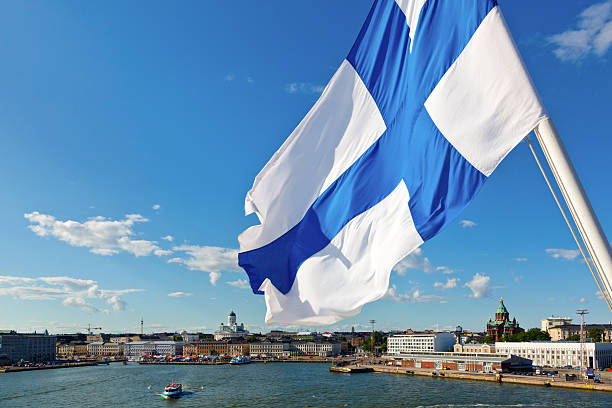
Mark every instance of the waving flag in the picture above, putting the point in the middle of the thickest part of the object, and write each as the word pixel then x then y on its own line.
pixel 432 96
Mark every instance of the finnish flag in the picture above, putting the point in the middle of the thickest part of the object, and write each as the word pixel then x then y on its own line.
pixel 432 96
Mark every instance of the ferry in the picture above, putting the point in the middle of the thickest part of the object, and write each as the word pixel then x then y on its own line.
pixel 240 360
pixel 173 390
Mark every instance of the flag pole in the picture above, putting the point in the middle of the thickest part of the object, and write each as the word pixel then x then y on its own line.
pixel 577 201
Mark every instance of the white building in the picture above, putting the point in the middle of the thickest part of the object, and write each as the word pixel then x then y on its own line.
pixel 148 348
pixel 312 348
pixel 231 330
pixel 403 343
pixel 270 349
pixel 554 321
pixel 101 348
pixel 559 353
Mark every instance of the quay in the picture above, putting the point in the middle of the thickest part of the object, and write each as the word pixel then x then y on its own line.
pixel 16 369
pixel 253 360
pixel 555 382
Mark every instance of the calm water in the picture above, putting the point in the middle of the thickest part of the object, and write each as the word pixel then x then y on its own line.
pixel 265 385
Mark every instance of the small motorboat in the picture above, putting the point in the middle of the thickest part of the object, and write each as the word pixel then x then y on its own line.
pixel 173 390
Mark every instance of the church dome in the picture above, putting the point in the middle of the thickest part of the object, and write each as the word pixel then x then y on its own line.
pixel 232 313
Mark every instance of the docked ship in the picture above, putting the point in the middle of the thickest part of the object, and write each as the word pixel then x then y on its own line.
pixel 173 390
pixel 240 360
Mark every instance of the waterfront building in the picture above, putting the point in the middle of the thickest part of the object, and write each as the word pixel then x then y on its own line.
pixel 486 362
pixel 502 325
pixel 231 330
pixel 190 349
pixel 101 348
pixel 562 332
pixel 554 321
pixel 148 348
pixel 28 347
pixel 270 349
pixel 312 348
pixel 239 349
pixel 417 342
pixel 474 348
pixel 560 353
pixel 207 348
pixel 72 350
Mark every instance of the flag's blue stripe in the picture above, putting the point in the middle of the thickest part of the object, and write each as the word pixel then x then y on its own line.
pixel 440 181
pixel 380 56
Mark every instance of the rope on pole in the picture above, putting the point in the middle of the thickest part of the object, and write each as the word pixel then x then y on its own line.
pixel 603 292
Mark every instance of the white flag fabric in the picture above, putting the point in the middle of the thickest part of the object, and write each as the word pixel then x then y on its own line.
pixel 432 96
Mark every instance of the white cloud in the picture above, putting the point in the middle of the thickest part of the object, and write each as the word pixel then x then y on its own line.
pixel 521 259
pixel 445 270
pixel 229 77
pixel 450 283
pixel 415 260
pixel 567 254
pixel 101 235
pixel 304 87
pixel 467 223
pixel 592 34
pixel 599 295
pixel 582 300
pixel 480 286
pixel 250 80
pixel 415 297
pixel 210 259
pixel 156 207
pixel 168 238
pixel 240 283
pixel 74 292
pixel 180 294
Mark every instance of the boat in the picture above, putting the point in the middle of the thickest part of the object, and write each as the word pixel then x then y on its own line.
pixel 240 360
pixel 173 390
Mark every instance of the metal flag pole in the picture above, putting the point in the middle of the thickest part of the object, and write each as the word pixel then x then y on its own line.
pixel 578 203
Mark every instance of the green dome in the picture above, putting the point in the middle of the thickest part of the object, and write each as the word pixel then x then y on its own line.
pixel 501 308
pixel 232 313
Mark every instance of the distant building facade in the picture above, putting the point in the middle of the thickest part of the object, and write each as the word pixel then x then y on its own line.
pixel 502 325
pixel 101 348
pixel 71 350
pixel 313 348
pixel 474 348
pixel 554 321
pixel 148 348
pixel 27 347
pixel 239 349
pixel 418 342
pixel 270 349
pixel 487 362
pixel 560 353
pixel 562 332
pixel 231 330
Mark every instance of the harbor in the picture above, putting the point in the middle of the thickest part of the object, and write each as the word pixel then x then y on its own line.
pixel 265 385
pixel 557 381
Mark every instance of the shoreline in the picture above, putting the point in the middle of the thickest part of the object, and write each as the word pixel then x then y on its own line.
pixel 460 375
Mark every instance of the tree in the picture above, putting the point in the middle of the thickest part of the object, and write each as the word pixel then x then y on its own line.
pixel 487 340
pixel 596 334
pixel 251 339
pixel 534 334
pixel 378 341
pixel 573 337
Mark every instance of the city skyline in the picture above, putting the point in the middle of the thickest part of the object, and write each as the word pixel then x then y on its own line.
pixel 130 144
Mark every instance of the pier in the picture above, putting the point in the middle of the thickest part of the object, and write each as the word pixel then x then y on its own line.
pixel 542 381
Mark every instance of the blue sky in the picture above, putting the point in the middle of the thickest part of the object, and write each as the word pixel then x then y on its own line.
pixel 130 133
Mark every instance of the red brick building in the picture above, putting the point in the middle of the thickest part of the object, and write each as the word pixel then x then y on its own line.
pixel 502 325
